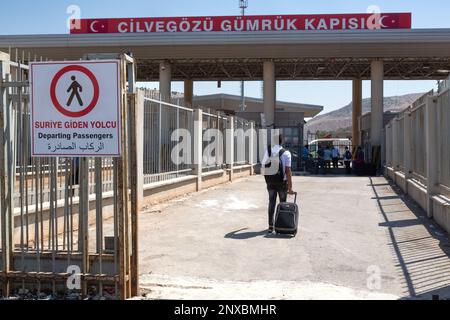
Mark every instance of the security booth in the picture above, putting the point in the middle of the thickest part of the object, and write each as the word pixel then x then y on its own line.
pixel 365 125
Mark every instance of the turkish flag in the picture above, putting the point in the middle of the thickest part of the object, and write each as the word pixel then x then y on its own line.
pixel 98 26
pixel 395 21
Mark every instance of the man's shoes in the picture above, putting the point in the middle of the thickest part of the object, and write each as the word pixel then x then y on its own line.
pixel 270 231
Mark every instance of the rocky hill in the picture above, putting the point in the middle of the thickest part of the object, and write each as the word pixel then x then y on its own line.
pixel 342 118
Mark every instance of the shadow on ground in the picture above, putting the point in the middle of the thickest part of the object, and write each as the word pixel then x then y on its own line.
pixel 420 246
pixel 239 235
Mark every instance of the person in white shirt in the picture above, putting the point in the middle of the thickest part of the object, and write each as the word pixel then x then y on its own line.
pixel 335 155
pixel 279 184
pixel 327 156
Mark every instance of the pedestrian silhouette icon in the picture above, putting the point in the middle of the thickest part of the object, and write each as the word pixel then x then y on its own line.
pixel 76 89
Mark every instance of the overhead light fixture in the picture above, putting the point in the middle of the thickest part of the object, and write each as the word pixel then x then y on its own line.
pixel 443 71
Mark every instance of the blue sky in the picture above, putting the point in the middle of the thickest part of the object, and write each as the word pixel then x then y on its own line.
pixel 49 17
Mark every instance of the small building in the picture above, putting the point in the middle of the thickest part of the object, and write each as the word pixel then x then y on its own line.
pixel 365 122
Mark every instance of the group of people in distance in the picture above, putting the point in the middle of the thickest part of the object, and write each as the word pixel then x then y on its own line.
pixel 330 155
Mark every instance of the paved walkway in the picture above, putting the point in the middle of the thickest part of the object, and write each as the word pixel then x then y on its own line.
pixel 213 245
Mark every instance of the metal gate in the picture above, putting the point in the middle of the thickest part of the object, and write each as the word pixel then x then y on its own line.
pixel 68 225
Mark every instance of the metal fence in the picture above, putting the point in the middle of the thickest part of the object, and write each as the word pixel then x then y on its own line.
pixel 161 119
pixel 214 148
pixel 418 146
pixel 57 213
pixel 26 193
pixel 241 141
pixel 443 85
pixel 409 134
pixel 443 136
pixel 389 145
pixel 54 210
pixel 400 145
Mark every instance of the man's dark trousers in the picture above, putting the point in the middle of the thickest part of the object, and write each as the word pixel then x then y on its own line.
pixel 276 189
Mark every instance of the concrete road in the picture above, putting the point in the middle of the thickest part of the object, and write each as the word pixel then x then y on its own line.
pixel 358 239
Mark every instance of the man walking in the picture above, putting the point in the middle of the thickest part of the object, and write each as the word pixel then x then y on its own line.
pixel 276 167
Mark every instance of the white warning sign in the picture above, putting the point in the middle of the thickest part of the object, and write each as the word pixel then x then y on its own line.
pixel 75 109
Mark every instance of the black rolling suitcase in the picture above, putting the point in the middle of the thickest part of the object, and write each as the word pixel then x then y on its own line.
pixel 286 218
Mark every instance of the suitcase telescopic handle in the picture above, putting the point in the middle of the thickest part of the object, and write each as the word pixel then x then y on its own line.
pixel 295 194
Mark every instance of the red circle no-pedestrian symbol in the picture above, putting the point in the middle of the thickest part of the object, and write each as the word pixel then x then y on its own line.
pixel 74 92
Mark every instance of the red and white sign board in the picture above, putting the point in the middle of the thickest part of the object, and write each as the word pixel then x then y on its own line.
pixel 244 24
pixel 75 109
